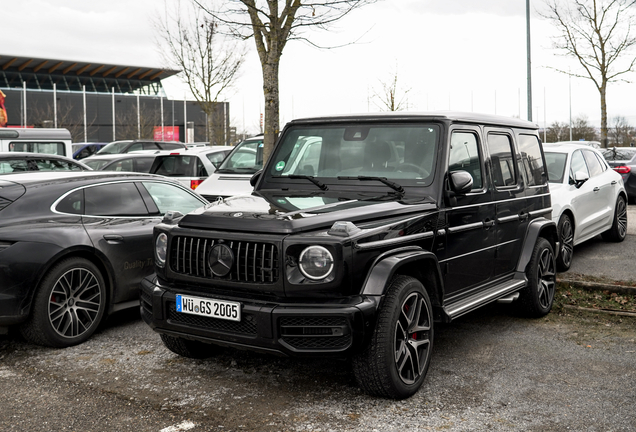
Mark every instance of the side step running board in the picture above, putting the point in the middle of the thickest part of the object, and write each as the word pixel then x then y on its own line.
pixel 509 299
pixel 475 301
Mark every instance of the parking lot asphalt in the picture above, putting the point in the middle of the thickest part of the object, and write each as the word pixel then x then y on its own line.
pixel 491 370
pixel 606 263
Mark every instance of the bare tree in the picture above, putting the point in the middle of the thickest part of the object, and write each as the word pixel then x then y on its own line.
pixel 582 130
pixel 129 127
pixel 557 132
pixel 598 34
pixel 68 117
pixel 391 97
pixel 273 23
pixel 209 63
pixel 621 133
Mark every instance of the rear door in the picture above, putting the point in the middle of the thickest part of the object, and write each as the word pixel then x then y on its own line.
pixel 601 195
pixel 511 209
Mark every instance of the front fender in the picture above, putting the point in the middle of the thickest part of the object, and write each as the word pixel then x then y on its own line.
pixel 414 262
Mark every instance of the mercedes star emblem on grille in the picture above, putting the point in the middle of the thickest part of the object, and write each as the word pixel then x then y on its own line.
pixel 221 260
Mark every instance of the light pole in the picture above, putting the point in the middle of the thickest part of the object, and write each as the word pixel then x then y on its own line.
pixel 529 62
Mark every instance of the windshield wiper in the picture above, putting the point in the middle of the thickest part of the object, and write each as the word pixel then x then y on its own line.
pixel 312 179
pixel 395 186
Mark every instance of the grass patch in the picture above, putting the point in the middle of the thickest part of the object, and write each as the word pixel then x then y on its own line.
pixel 567 294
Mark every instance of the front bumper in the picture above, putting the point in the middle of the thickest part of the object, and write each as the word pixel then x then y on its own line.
pixel 293 329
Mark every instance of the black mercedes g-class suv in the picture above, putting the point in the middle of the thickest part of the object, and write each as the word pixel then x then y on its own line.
pixel 361 233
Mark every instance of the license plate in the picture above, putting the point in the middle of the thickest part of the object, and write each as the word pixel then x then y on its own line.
pixel 209 307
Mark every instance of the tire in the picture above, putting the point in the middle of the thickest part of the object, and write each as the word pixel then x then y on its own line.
pixel 68 306
pixel 618 231
pixel 395 362
pixel 566 238
pixel 536 299
pixel 188 348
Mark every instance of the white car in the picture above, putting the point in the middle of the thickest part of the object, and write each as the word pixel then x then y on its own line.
pixel 588 197
pixel 233 176
pixel 192 166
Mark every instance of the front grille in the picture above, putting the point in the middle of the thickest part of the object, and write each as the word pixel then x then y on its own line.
pixel 247 325
pixel 306 343
pixel 213 198
pixel 315 333
pixel 253 261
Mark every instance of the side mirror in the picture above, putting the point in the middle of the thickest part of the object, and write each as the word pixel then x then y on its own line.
pixel 256 177
pixel 580 177
pixel 461 182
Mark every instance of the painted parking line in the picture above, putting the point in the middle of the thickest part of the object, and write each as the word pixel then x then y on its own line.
pixel 183 426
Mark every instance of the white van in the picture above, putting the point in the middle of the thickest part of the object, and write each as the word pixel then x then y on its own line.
pixel 233 176
pixel 37 140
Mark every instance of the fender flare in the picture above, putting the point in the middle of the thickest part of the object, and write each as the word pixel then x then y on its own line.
pixel 540 227
pixel 386 265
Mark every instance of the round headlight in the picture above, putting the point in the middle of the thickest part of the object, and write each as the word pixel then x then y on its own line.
pixel 161 249
pixel 316 262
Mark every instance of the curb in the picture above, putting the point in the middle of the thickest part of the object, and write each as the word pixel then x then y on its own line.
pixel 621 289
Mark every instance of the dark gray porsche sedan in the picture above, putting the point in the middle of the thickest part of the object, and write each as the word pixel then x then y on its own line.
pixel 75 245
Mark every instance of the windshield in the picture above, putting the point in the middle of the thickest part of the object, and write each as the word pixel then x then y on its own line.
pixel 114 147
pixel 556 166
pixel 96 164
pixel 404 154
pixel 619 154
pixel 246 158
pixel 37 164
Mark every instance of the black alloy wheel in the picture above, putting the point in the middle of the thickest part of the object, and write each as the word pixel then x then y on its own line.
pixel 537 298
pixel 566 237
pixel 411 338
pixel 618 231
pixel 68 306
pixel 396 361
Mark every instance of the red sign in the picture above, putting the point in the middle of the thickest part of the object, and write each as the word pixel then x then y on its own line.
pixel 170 133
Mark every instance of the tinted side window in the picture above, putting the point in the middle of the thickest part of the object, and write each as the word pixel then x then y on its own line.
pixel 38 147
pixel 73 203
pixel 531 160
pixel 464 155
pixel 115 199
pixel 592 163
pixel 170 146
pixel 577 164
pixel 217 157
pixel 137 147
pixel 120 165
pixel 143 164
pixel 201 171
pixel 503 161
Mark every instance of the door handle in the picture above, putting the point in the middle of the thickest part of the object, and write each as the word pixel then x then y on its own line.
pixel 114 238
pixel 596 189
pixel 489 222
pixel 523 216
pixel 613 182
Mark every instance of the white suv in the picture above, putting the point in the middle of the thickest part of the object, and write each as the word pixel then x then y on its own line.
pixel 233 176
pixel 190 167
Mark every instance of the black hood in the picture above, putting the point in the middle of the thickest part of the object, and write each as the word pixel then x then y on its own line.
pixel 289 213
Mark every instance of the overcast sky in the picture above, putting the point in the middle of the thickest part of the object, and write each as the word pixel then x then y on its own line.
pixel 462 55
